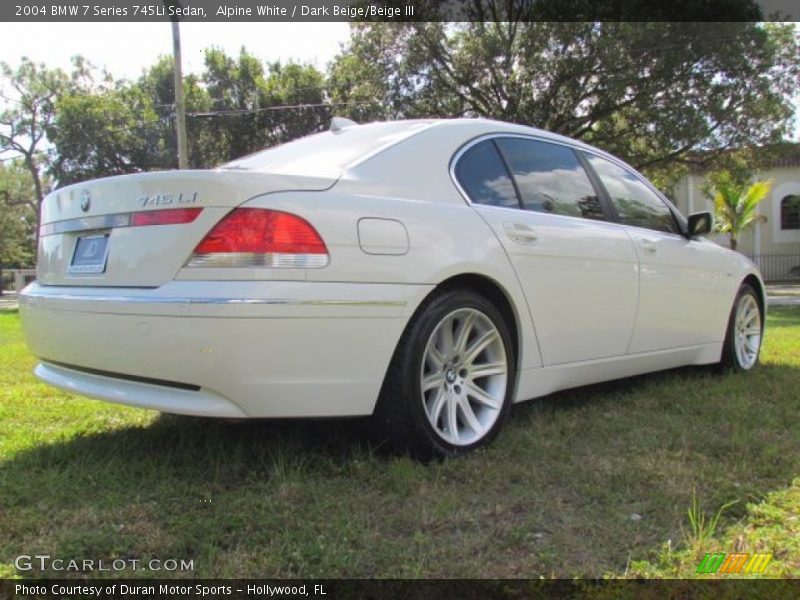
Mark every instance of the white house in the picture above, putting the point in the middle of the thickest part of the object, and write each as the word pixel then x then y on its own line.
pixel 774 244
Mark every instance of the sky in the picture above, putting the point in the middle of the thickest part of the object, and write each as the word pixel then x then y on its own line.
pixel 126 49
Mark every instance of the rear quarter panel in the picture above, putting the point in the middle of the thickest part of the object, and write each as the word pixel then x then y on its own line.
pixel 445 240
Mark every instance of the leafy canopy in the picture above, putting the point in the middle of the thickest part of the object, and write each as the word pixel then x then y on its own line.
pixel 651 93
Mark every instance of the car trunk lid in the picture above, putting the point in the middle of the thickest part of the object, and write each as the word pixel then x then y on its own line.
pixel 102 232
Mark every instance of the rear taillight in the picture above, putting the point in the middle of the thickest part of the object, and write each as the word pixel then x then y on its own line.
pixel 254 237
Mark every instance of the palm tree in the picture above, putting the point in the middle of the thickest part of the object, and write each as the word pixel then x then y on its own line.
pixel 736 208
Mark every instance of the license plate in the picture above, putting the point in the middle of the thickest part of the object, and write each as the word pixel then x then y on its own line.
pixel 90 254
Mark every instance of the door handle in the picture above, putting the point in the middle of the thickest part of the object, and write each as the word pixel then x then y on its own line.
pixel 522 234
pixel 649 245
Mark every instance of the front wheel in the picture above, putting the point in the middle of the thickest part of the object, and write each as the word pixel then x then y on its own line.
pixel 449 386
pixel 745 331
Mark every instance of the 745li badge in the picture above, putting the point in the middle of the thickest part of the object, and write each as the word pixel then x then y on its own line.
pixel 168 199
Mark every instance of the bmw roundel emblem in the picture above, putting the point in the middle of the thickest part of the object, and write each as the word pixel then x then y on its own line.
pixel 86 200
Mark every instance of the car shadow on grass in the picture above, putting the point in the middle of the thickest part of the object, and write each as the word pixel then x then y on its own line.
pixel 578 483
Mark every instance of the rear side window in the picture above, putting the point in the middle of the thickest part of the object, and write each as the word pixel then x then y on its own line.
pixel 482 174
pixel 551 178
pixel 634 201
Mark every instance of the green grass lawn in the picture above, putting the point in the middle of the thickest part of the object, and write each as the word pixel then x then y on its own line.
pixel 593 482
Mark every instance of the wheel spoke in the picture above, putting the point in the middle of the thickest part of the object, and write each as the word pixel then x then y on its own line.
pixel 751 344
pixel 486 369
pixel 446 335
pixel 438 403
pixel 434 380
pixel 479 346
pixel 469 416
pixel 452 418
pixel 752 331
pixel 479 395
pixel 464 329
pixel 435 358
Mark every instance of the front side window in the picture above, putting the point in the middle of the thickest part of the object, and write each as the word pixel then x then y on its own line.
pixel 482 174
pixel 551 178
pixel 790 212
pixel 635 202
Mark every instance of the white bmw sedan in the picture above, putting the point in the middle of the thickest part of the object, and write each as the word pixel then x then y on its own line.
pixel 428 273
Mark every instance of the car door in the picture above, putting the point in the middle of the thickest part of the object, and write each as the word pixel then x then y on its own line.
pixel 578 270
pixel 679 279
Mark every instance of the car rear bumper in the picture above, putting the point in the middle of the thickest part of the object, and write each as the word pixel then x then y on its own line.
pixel 221 349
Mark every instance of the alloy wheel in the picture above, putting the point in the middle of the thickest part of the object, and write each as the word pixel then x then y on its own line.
pixel 747 331
pixel 464 375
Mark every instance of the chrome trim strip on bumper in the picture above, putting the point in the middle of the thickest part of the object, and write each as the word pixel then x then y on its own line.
pixel 87 224
pixel 27 295
pixel 114 221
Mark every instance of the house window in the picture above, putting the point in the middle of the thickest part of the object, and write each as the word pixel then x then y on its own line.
pixel 790 212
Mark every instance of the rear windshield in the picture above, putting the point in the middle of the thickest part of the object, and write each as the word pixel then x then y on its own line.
pixel 327 153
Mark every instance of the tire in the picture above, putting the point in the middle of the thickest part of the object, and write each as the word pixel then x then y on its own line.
pixel 446 394
pixel 745 332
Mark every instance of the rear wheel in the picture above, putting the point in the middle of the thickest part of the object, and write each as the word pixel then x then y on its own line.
pixel 745 330
pixel 449 386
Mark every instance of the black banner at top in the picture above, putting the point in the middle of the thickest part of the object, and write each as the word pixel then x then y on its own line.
pixel 396 10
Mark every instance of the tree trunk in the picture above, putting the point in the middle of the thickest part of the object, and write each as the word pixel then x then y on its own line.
pixel 37 186
pixel 734 243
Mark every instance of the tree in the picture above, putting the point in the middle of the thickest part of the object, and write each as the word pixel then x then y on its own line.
pixel 362 83
pixel 651 93
pixel 237 106
pixel 123 127
pixel 736 207
pixel 158 84
pixel 300 87
pixel 109 132
pixel 17 218
pixel 29 94
pixel 253 107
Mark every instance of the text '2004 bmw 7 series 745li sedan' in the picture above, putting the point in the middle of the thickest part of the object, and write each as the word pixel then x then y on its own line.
pixel 429 273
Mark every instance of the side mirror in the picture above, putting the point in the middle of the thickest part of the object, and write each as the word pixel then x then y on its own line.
pixel 700 223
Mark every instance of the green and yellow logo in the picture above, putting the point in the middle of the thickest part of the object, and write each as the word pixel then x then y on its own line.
pixel 735 562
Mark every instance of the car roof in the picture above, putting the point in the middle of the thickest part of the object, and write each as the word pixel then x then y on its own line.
pixel 354 145
pixel 468 129
pixel 492 125
pixel 470 126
